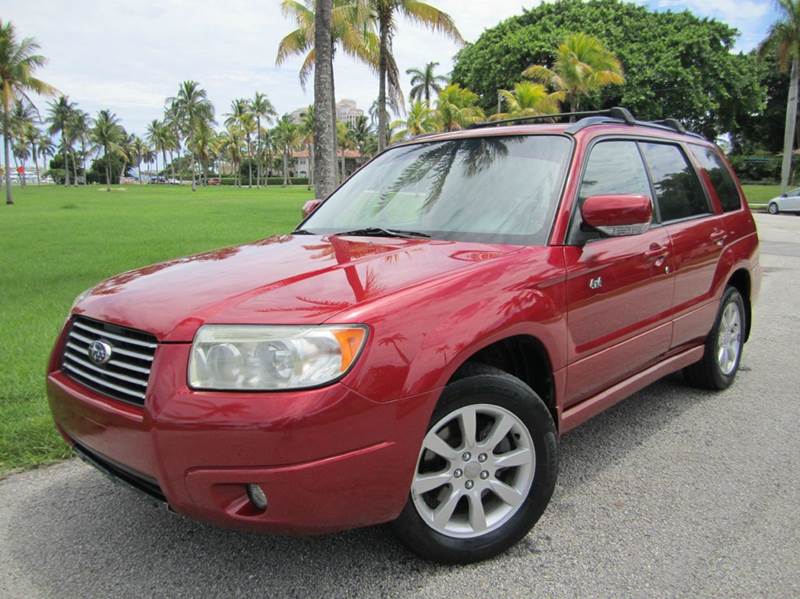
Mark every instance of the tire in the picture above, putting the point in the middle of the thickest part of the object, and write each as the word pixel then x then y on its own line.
pixel 494 397
pixel 712 372
pixel 773 208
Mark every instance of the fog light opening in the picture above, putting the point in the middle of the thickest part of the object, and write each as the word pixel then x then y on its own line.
pixel 256 496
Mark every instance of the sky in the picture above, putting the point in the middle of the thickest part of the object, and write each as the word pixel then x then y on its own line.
pixel 130 56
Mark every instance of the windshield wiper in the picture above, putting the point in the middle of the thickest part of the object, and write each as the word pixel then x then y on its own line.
pixel 382 232
pixel 302 232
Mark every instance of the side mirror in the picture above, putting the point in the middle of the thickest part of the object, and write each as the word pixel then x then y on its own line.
pixel 310 206
pixel 618 216
pixel 784 195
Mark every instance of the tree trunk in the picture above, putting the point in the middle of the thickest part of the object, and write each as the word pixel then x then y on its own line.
pixel 285 165
pixel 382 66
pixel 194 178
pixel 108 168
pixel 324 129
pixel 66 154
pixel 258 151
pixel 75 169
pixel 310 170
pixel 788 133
pixel 36 164
pixel 7 145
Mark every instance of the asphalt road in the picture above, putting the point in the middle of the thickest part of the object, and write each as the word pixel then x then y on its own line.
pixel 674 492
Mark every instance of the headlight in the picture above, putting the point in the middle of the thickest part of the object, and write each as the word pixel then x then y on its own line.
pixel 262 358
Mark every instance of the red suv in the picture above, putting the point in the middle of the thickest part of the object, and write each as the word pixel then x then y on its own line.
pixel 413 352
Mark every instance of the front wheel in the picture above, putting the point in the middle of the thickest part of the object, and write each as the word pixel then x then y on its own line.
pixel 485 473
pixel 773 208
pixel 723 350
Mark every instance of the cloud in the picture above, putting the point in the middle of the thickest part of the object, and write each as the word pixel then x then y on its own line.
pixel 129 56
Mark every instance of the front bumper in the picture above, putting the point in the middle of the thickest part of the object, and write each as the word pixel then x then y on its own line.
pixel 328 459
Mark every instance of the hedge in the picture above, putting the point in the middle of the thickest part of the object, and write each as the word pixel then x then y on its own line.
pixel 270 181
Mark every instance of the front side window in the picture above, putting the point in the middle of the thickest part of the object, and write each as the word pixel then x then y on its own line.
pixel 491 189
pixel 613 168
pixel 677 188
pixel 720 177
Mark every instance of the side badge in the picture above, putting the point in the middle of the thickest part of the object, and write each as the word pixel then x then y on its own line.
pixel 596 283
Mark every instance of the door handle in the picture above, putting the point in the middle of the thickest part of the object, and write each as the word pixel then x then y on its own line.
pixel 718 236
pixel 656 250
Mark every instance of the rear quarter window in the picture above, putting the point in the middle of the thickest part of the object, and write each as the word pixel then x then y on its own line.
pixel 677 188
pixel 719 176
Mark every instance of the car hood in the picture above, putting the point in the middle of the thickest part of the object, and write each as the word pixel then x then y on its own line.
pixel 290 279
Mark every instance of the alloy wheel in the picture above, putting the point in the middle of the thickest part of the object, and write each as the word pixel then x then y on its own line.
pixel 729 338
pixel 474 471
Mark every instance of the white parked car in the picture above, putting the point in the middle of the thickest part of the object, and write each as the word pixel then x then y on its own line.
pixel 787 202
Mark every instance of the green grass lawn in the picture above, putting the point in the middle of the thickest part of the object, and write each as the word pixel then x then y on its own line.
pixel 56 242
pixel 757 195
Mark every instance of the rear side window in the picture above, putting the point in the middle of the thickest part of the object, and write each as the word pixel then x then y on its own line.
pixel 678 190
pixel 720 177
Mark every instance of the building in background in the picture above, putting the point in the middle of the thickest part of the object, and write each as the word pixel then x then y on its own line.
pixel 302 164
pixel 347 111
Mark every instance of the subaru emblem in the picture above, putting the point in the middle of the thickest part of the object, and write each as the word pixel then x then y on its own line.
pixel 99 352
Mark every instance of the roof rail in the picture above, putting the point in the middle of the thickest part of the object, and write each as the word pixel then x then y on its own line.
pixel 617 112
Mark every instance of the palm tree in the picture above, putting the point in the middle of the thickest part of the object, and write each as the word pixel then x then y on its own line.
pixel 359 131
pixel 242 116
pixel 22 117
pixel 45 148
pixel 232 142
pixel 139 150
pixel 193 109
pixel 529 99
pixel 582 66
pixel 307 133
pixel 350 30
pixel 457 108
pixel 108 134
pixel 345 142
pixel 385 14
pixel 202 143
pixel 262 109
pixel 174 121
pixel 30 136
pixel 425 82
pixel 18 63
pixel 80 127
pixel 785 37
pixel 420 120
pixel 287 136
pixel 59 116
pixel 324 100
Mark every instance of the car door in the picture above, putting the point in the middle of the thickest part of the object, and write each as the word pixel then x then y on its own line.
pixel 792 201
pixel 698 233
pixel 619 289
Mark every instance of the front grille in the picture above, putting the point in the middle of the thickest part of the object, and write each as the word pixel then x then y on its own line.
pixel 124 376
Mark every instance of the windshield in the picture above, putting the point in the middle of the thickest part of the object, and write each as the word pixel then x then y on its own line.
pixel 489 189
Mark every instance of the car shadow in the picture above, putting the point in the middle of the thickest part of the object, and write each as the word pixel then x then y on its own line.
pixel 105 539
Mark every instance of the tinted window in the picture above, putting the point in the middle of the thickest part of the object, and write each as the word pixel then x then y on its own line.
pixel 720 177
pixel 614 168
pixel 677 187
pixel 495 189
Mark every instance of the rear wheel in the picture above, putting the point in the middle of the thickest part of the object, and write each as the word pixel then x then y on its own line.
pixel 723 351
pixel 773 208
pixel 485 473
